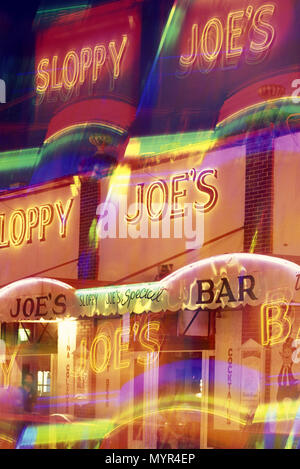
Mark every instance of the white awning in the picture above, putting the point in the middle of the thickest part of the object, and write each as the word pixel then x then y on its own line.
pixel 225 281
pixel 229 280
pixel 36 299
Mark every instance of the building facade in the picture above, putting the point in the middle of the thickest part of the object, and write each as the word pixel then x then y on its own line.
pixel 150 239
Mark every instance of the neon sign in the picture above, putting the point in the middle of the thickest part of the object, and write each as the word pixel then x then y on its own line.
pixel 114 347
pixel 38 305
pixel 225 291
pixel 276 325
pixel 246 31
pixel 122 299
pixel 76 67
pixel 17 229
pixel 172 193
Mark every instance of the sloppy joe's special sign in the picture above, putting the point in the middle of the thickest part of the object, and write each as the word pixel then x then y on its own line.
pixel 225 281
pixel 123 299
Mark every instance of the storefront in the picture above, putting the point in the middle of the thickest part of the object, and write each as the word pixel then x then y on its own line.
pixel 192 360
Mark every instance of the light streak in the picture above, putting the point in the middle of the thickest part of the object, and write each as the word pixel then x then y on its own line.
pixel 160 46
pixel 82 125
pixel 27 282
pixel 240 112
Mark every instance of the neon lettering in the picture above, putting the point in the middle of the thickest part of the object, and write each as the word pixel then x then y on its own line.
pixel 276 325
pixel 266 30
pixel 212 45
pixel 116 57
pixel 217 25
pixel 43 76
pixel 20 226
pixel 99 59
pixel 63 216
pixel 78 67
pixel 233 33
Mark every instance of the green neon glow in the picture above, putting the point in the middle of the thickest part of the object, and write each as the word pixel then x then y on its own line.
pixel 165 32
pixel 74 7
pixel 154 145
pixel 93 237
pixel 157 144
pixel 19 159
pixel 71 433
pixel 251 117
pixel 120 288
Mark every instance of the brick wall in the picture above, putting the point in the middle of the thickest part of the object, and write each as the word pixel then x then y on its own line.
pixel 88 245
pixel 259 194
pixel 258 224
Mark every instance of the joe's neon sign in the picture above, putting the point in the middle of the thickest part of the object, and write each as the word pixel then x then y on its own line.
pixel 245 31
pixel 171 194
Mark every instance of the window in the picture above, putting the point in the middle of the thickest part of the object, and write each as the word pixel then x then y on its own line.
pixel 43 385
pixel 24 335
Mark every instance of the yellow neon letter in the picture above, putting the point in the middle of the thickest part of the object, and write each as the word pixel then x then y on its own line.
pixel 43 75
pixel 187 61
pixel 93 353
pixel 3 243
pixel 267 30
pixel 54 84
pixel 99 59
pixel 116 58
pixel 32 222
pixel 7 369
pixel 63 216
pixel 119 347
pixel 216 23
pixel 46 217
pixel 232 34
pixel 278 320
pixel 85 62
pixel 17 239
pixel 71 55
pixel 149 343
